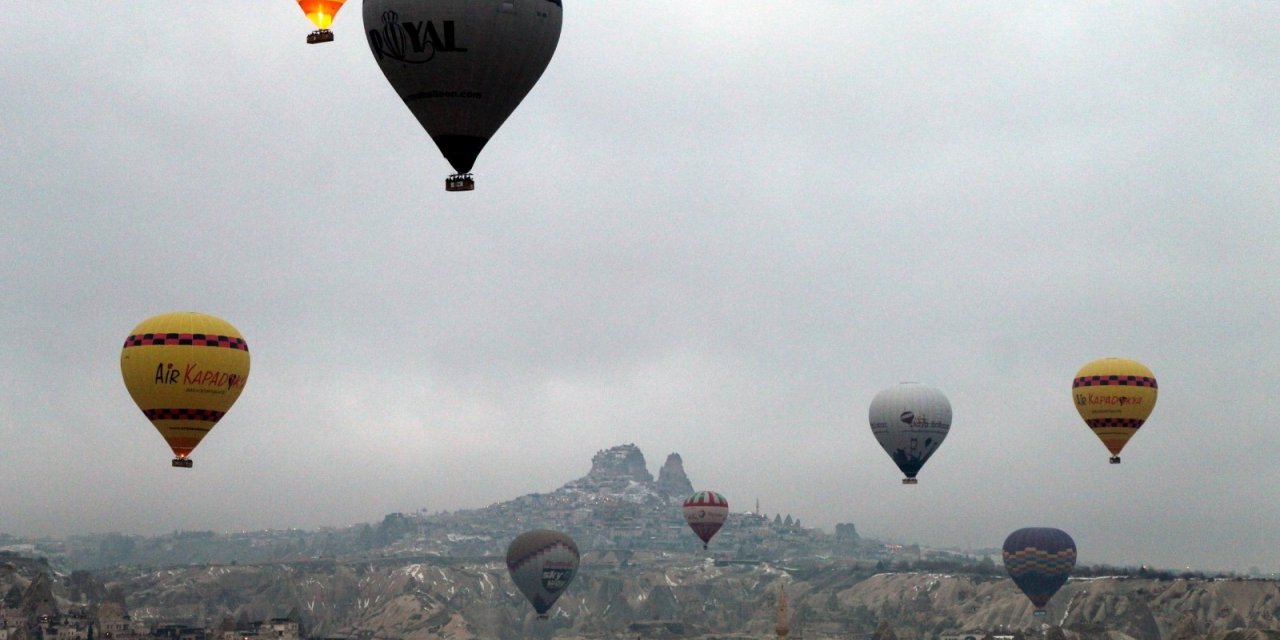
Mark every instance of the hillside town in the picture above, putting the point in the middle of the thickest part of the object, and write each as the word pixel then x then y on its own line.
pixel 619 505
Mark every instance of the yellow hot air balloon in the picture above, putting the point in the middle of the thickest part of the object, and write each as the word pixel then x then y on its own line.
pixel 184 370
pixel 321 13
pixel 1114 396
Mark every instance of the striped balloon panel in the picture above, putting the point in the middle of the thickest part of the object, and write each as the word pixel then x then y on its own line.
pixel 1032 560
pixel 706 530
pixel 706 499
pixel 1114 380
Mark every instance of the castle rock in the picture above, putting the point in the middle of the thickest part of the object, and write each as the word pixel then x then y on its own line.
pixel 672 479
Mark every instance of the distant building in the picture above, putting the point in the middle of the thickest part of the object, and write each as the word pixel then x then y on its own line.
pixel 112 623
pixel 282 628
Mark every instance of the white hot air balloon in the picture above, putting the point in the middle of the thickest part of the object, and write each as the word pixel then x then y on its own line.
pixel 462 66
pixel 910 420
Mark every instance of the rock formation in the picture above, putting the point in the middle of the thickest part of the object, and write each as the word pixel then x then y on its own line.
pixel 623 462
pixel 1186 629
pixel 884 632
pixel 672 479
pixel 38 599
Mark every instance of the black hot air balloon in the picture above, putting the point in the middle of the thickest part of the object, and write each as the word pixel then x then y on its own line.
pixel 462 66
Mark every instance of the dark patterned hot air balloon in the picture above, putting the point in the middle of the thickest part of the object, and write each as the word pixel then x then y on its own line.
pixel 542 563
pixel 706 511
pixel 1039 559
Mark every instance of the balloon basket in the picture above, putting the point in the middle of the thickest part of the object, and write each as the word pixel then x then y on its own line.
pixel 1040 613
pixel 910 481
pixel 460 182
pixel 1115 459
pixel 182 463
pixel 321 35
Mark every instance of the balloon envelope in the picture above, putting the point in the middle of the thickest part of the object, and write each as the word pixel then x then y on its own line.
pixel 462 66
pixel 184 370
pixel 321 12
pixel 706 512
pixel 542 563
pixel 1039 559
pixel 910 421
pixel 1114 396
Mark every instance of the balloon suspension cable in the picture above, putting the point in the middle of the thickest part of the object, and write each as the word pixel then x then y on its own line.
pixel 320 35
pixel 910 481
pixel 460 182
pixel 1115 459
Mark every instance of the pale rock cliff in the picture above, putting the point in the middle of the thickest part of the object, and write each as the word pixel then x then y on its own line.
pixel 672 479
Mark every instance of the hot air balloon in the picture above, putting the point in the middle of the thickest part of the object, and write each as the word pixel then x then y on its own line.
pixel 1115 397
pixel 706 511
pixel 1039 559
pixel 910 420
pixel 462 66
pixel 321 13
pixel 542 563
pixel 184 370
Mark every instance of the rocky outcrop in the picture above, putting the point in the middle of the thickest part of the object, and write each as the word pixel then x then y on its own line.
pixel 672 479
pixel 38 599
pixel 884 632
pixel 1246 634
pixel 623 462
pixel 622 469
pixel 1186 629
pixel 1125 611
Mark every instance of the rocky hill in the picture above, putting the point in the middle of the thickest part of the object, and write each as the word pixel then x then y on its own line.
pixel 617 504
pixel 643 594
pixel 672 479
pixel 643 574
pixel 1092 607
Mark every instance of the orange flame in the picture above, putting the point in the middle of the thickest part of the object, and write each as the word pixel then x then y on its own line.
pixel 321 12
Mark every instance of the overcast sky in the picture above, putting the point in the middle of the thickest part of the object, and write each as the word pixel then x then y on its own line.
pixel 715 228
